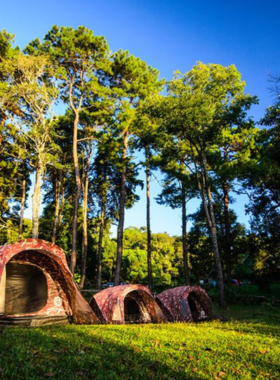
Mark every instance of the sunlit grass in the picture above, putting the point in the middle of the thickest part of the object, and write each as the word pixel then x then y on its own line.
pixel 247 347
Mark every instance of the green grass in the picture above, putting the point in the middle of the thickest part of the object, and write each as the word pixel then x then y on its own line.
pixel 245 347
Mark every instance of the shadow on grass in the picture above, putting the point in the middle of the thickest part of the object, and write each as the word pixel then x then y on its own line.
pixel 173 352
pixel 71 352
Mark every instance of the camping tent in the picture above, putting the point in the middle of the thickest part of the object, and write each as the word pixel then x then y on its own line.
pixel 37 287
pixel 126 304
pixel 185 304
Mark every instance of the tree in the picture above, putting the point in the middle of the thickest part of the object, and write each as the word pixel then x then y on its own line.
pixel 263 184
pixel 9 158
pixel 103 187
pixel 80 58
pixel 35 94
pixel 132 82
pixel 58 178
pixel 233 161
pixel 146 131
pixel 177 191
pixel 196 110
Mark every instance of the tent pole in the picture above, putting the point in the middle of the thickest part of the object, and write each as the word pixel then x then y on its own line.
pixel 3 291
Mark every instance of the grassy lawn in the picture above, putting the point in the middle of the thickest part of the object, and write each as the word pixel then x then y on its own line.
pixel 245 347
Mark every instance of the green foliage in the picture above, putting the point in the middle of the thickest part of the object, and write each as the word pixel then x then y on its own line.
pixel 198 134
pixel 166 258
pixel 10 234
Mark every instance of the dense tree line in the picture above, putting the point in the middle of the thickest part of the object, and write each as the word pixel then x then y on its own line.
pixel 74 116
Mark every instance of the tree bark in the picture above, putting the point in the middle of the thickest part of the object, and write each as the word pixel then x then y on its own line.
pixel 22 205
pixel 36 202
pixel 227 230
pixel 148 216
pixel 184 236
pixel 61 208
pixel 85 229
pixel 121 213
pixel 213 231
pixel 100 241
pixel 77 195
pixel 57 206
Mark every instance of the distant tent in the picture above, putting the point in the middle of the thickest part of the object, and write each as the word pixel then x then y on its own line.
pixel 37 287
pixel 126 304
pixel 185 304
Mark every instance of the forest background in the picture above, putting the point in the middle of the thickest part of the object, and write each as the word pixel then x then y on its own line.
pixel 196 130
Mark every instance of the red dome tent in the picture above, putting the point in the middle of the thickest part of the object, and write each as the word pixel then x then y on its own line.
pixel 185 304
pixel 37 287
pixel 126 304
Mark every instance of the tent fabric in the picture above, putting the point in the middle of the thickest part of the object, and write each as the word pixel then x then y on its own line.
pixel 3 292
pixel 185 304
pixel 37 284
pixel 127 304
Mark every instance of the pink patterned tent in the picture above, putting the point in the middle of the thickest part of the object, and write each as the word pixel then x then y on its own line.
pixel 126 304
pixel 37 287
pixel 185 304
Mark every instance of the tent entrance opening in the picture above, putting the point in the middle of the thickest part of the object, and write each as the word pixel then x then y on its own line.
pixel 131 310
pixel 135 309
pixel 193 300
pixel 26 289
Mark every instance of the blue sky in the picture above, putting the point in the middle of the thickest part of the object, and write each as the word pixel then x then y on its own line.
pixel 168 35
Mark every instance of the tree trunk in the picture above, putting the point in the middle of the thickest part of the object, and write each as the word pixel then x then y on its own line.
pixel 85 229
pixel 121 213
pixel 61 208
pixel 213 231
pixel 149 240
pixel 22 205
pixel 77 195
pixel 56 211
pixel 184 236
pixel 100 240
pixel 36 202
pixel 227 231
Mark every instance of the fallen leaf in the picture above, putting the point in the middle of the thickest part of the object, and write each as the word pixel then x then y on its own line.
pixel 190 357
pixel 195 369
pixel 63 349
pixel 49 374
pixel 221 374
pixel 264 352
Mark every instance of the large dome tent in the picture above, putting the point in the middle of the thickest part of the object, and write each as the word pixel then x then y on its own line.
pixel 185 304
pixel 37 287
pixel 125 304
